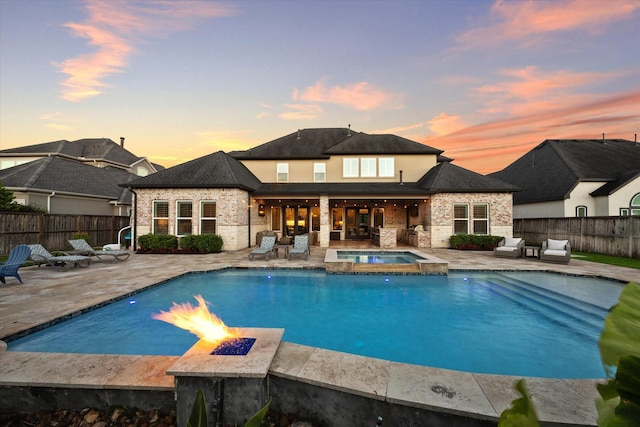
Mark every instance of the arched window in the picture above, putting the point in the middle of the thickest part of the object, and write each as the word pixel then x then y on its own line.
pixel 635 205
pixel 581 211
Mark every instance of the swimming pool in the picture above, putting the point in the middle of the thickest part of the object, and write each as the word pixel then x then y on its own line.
pixel 498 323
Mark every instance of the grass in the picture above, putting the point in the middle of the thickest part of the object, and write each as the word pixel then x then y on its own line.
pixel 607 259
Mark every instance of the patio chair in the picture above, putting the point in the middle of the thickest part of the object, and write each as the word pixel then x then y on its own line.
pixel 81 247
pixel 509 247
pixel 558 251
pixel 40 255
pixel 267 248
pixel 17 257
pixel 300 246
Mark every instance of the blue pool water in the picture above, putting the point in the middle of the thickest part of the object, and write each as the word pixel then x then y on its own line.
pixel 374 257
pixel 499 323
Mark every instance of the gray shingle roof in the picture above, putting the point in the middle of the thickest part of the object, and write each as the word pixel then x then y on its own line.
pixel 69 176
pixel 217 170
pixel 449 178
pixel 551 170
pixel 323 142
pixel 89 148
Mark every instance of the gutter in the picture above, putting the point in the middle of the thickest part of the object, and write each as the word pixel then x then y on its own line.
pixel 53 193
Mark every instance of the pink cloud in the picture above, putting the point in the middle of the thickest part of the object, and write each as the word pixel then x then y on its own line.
pixel 359 96
pixel 301 112
pixel 491 146
pixel 114 29
pixel 524 20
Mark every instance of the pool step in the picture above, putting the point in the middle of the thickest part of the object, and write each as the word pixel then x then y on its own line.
pixel 385 268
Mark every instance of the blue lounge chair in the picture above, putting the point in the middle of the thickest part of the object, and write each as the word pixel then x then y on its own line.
pixel 300 246
pixel 81 247
pixel 17 257
pixel 267 248
pixel 40 255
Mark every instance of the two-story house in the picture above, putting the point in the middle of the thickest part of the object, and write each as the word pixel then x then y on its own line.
pixel 335 183
pixel 576 178
pixel 73 177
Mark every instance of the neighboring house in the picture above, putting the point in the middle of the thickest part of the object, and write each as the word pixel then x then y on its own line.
pixel 336 184
pixel 576 178
pixel 73 177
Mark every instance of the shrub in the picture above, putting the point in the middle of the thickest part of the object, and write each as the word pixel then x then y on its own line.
pixel 203 243
pixel 83 236
pixel 474 242
pixel 158 242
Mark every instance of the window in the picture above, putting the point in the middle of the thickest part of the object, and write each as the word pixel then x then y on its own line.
pixel 160 217
pixel 183 220
pixel 315 218
pixel 207 217
pixel 368 167
pixel 624 212
pixel 319 172
pixel 386 167
pixel 635 205
pixel 481 219
pixel 581 211
pixel 282 172
pixel 460 219
pixel 378 217
pixel 337 219
pixel 350 168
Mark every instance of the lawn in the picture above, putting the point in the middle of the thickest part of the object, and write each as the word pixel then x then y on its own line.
pixel 607 259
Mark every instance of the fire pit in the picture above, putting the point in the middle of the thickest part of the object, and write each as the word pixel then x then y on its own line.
pixel 234 347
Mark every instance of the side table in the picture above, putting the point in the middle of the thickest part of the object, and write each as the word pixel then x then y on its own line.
pixel 532 252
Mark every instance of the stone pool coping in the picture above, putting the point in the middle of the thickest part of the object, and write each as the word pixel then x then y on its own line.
pixel 424 263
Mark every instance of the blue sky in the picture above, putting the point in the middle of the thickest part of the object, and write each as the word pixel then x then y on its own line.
pixel 483 80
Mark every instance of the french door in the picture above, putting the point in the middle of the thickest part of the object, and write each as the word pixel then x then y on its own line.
pixel 358 223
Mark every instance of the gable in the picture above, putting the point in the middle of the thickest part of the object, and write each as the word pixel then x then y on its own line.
pixel 449 178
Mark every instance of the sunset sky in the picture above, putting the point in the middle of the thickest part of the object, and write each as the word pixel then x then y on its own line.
pixel 485 81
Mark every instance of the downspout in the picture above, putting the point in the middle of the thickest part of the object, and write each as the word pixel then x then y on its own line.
pixel 134 228
pixel 49 201
pixel 248 220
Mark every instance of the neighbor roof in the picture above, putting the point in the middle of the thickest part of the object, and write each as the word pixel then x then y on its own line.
pixel 67 176
pixel 551 170
pixel 449 178
pixel 324 142
pixel 217 170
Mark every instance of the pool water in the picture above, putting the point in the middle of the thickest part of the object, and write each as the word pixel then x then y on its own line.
pixel 498 323
pixel 371 257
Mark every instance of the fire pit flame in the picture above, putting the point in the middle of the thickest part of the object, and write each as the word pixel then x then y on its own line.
pixel 199 321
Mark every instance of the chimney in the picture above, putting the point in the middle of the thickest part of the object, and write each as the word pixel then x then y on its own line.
pixel 349 133
pixel 401 183
pixel 122 141
pixel 298 134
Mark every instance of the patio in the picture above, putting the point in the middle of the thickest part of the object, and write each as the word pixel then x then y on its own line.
pixel 47 295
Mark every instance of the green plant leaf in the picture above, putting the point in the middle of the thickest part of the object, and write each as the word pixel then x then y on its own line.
pixel 621 333
pixel 522 412
pixel 256 420
pixel 198 417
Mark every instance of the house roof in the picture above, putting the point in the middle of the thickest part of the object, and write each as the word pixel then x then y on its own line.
pixel 324 142
pixel 217 170
pixel 449 178
pixel 67 176
pixel 88 148
pixel 551 170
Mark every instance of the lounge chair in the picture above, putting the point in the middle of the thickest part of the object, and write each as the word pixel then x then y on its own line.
pixel 300 246
pixel 556 251
pixel 40 255
pixel 266 248
pixel 17 257
pixel 509 247
pixel 81 247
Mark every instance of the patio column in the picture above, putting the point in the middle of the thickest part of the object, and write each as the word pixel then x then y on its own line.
pixel 325 221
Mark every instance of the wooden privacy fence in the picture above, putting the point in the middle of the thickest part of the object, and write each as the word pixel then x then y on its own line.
pixel 53 231
pixel 617 236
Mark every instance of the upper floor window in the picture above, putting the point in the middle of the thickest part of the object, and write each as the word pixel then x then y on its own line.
pixel 581 211
pixel 350 167
pixel 319 172
pixel 368 167
pixel 184 217
pixel 460 218
pixel 207 217
pixel 160 217
pixel 282 170
pixel 386 167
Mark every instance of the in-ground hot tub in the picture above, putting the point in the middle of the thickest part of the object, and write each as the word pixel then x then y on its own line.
pixel 383 261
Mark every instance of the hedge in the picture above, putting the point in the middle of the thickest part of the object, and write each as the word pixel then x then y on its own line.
pixel 474 242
